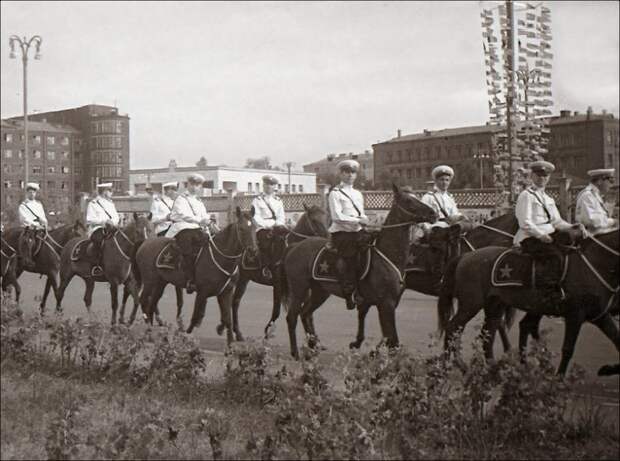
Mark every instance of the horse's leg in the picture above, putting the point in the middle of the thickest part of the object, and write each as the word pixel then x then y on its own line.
pixel 387 320
pixel 46 291
pixel 242 284
pixel 145 302
pixel 291 321
pixel 362 311
pixel 493 314
pixel 131 287
pixel 317 298
pixel 607 325
pixel 88 293
pixel 179 293
pixel 503 335
pixel 572 327
pixel 66 274
pixel 126 294
pixel 200 304
pixel 114 296
pixel 225 300
pixel 464 314
pixel 153 310
pixel 528 326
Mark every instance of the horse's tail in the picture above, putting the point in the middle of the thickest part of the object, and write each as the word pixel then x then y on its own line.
pixel 445 306
pixel 509 317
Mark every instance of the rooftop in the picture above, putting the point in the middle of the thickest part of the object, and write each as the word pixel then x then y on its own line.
pixel 38 126
pixel 445 133
pixel 211 168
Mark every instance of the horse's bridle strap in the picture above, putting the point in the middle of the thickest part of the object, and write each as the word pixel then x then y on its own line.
pixel 499 231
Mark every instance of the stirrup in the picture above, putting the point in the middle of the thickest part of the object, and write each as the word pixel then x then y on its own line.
pixel 267 273
pixel 96 271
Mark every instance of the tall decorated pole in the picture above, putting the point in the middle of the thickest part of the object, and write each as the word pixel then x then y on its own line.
pixel 518 77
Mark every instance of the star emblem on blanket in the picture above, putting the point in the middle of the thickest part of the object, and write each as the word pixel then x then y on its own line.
pixel 167 257
pixel 324 267
pixel 505 271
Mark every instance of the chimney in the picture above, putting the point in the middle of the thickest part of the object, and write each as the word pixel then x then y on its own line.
pixel 604 111
pixel 576 113
pixel 398 133
pixel 427 132
pixel 564 113
pixel 589 112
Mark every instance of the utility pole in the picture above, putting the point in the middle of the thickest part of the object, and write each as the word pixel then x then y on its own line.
pixel 24 45
pixel 510 93
pixel 288 165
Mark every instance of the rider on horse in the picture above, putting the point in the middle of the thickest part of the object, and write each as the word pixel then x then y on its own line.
pixel 539 218
pixel 346 208
pixel 269 217
pixel 31 216
pixel 189 216
pixel 440 200
pixel 590 210
pixel 161 207
pixel 101 215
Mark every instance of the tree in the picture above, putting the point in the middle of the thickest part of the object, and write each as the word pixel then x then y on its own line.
pixel 202 163
pixel 261 163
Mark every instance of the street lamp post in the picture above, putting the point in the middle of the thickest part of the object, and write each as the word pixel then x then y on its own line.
pixel 481 156
pixel 24 45
pixel 288 166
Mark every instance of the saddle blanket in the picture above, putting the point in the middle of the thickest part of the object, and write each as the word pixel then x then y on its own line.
pixel 169 257
pixel 79 250
pixel 512 268
pixel 250 261
pixel 324 266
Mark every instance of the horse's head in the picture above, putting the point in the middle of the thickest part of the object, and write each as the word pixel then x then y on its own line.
pixel 411 208
pixel 315 217
pixel 246 229
pixel 26 243
pixel 141 229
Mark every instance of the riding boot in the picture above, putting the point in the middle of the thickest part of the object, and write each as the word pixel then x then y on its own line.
pixel 188 270
pixel 347 283
pixel 97 269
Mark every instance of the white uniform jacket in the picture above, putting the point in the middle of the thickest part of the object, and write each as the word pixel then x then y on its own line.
pixel 345 217
pixel 161 207
pixel 263 216
pixel 187 213
pixel 444 205
pixel 534 221
pixel 591 211
pixel 32 214
pixel 98 211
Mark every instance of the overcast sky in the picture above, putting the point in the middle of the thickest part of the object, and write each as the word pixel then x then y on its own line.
pixel 294 81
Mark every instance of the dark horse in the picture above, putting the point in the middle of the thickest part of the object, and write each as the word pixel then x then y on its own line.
pixel 8 264
pixel 590 284
pixel 216 271
pixel 119 248
pixel 384 284
pixel 442 245
pixel 45 248
pixel 310 224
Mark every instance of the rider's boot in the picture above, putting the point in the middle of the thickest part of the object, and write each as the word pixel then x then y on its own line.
pixel 188 270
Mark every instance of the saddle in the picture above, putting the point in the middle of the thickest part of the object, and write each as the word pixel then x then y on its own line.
pixel 170 257
pixel 515 268
pixel 324 265
pixel 82 250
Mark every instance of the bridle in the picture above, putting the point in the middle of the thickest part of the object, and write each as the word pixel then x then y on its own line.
pixel 417 218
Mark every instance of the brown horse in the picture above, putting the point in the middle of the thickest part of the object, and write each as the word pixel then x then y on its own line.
pixel 310 224
pixel 590 284
pixel 433 259
pixel 384 284
pixel 119 248
pixel 44 247
pixel 216 271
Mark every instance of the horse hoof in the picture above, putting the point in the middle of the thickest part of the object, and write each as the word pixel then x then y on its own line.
pixel 219 329
pixel 355 345
pixel 189 330
pixel 239 337
pixel 270 330
pixel 609 370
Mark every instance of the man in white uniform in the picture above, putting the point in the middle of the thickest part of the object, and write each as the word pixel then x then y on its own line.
pixel 346 208
pixel 31 218
pixel 161 207
pixel 269 217
pixel 101 215
pixel 440 200
pixel 189 217
pixel 590 210
pixel 538 218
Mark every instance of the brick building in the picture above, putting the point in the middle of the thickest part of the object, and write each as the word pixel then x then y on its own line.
pixel 326 167
pixel 104 153
pixel 580 142
pixel 54 149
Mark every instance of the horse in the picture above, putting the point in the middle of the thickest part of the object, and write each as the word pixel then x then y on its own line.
pixel 45 248
pixel 216 271
pixel 589 277
pixel 443 244
pixel 8 264
pixel 310 224
pixel 384 284
pixel 118 249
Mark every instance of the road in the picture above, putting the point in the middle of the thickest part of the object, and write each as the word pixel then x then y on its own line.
pixel 336 326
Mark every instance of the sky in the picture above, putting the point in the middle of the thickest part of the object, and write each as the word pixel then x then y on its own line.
pixel 293 81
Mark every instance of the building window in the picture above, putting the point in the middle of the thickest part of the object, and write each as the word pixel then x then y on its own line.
pixel 64 140
pixel 20 154
pixel 257 187
pixel 64 169
pixel 301 188
pixel 409 173
pixel 389 157
pixel 51 169
pixel 36 154
pixel 77 170
pixel 51 185
pixel 610 160
pixel 609 137
pixel 51 140
pixel 8 153
pixel 293 188
pixel 7 184
pixel 8 137
pixel 36 170
pixel 65 155
pixel 51 155
pixel 249 187
pixel 36 139
pixel 7 168
pixel 63 185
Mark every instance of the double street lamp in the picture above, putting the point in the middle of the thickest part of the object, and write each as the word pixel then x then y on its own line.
pixel 481 156
pixel 24 45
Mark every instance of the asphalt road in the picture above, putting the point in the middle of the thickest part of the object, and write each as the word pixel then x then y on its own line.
pixel 336 327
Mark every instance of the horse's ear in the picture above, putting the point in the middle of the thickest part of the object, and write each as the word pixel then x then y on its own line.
pixel 238 212
pixel 306 207
pixel 395 189
pixel 135 216
pixel 253 211
pixel 149 216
